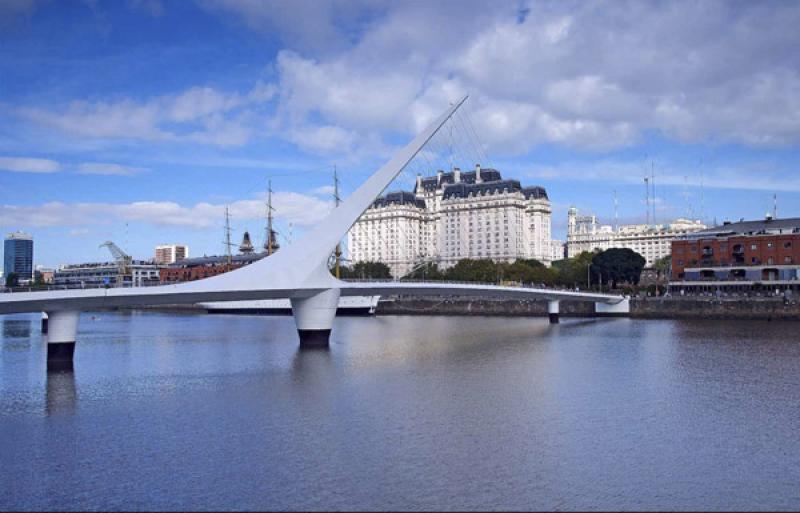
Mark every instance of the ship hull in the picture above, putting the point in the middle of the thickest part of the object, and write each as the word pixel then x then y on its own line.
pixel 348 306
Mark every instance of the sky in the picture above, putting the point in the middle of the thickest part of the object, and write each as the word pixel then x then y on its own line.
pixel 139 121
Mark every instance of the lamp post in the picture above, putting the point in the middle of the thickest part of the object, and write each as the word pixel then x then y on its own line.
pixel 588 276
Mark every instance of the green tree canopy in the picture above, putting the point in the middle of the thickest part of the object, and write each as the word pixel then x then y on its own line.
pixel 663 264
pixel 619 265
pixel 427 271
pixel 483 270
pixel 12 280
pixel 366 271
pixel 529 271
pixel 572 272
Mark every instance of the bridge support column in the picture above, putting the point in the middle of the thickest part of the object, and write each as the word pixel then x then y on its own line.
pixel 314 317
pixel 62 332
pixel 620 309
pixel 44 323
pixel 552 311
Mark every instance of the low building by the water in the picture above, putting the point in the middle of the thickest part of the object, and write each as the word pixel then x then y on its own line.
pixel 138 273
pixel 190 269
pixel 741 256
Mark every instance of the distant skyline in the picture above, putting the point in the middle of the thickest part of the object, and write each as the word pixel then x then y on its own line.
pixel 137 121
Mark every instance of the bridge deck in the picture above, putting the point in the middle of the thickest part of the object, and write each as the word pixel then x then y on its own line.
pixel 88 299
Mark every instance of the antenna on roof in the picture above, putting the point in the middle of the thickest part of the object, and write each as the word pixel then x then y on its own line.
pixel 686 197
pixel 616 214
pixel 653 185
pixel 647 198
pixel 774 206
pixel 702 204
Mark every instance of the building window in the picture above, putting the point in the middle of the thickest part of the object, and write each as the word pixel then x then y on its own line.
pixel 753 247
pixel 787 245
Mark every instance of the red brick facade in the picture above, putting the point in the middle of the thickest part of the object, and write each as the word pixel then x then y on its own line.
pixel 736 250
pixel 178 274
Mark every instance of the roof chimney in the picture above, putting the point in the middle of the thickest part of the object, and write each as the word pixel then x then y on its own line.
pixel 456 175
pixel 478 178
pixel 439 174
pixel 419 182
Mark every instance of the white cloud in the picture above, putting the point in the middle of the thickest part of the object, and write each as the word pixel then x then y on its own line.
pixel 745 176
pixel 299 209
pixel 325 190
pixel 574 74
pixel 78 232
pixel 353 75
pixel 100 168
pixel 200 114
pixel 29 165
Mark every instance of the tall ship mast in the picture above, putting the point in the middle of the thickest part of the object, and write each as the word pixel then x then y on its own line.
pixel 338 252
pixel 269 243
pixel 350 305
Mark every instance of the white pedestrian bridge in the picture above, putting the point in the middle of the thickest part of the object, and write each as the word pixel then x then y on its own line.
pixel 298 272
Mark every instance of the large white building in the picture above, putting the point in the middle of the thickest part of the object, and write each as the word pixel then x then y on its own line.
pixel 452 216
pixel 585 233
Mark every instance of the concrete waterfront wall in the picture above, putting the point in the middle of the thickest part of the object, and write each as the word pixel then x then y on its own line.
pixel 470 306
pixel 708 308
pixel 642 308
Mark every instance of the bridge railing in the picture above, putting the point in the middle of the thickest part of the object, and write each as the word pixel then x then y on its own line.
pixel 483 283
pixel 73 286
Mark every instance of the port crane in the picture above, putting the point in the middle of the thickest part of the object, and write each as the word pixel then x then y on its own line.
pixel 123 260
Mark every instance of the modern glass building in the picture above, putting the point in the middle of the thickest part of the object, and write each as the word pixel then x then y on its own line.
pixel 18 255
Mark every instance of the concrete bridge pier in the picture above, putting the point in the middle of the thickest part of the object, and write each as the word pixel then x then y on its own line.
pixel 552 311
pixel 61 335
pixel 314 316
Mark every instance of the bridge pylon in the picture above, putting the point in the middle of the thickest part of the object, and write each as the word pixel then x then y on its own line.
pixel 313 316
pixel 62 332
pixel 553 310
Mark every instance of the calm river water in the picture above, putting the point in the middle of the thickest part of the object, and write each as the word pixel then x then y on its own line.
pixel 225 412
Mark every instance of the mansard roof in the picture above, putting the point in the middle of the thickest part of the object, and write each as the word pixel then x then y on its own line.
pixel 534 192
pixel 759 227
pixel 463 190
pixel 398 198
pixel 430 183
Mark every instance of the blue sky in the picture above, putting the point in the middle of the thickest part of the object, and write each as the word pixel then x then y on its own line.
pixel 140 120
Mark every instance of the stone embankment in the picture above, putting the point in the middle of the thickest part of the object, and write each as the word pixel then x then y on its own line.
pixel 642 308
pixel 766 308
pixel 407 305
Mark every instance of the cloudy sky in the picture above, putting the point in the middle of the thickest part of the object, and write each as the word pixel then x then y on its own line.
pixel 139 120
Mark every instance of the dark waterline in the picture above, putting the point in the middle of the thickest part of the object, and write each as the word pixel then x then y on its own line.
pixel 225 412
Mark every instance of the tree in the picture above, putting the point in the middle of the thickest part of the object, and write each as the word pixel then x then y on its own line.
pixel 619 265
pixel 366 271
pixel 529 271
pixel 663 265
pixel 483 270
pixel 12 280
pixel 427 271
pixel 572 272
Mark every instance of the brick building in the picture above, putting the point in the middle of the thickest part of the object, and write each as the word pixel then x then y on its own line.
pixel 191 269
pixel 737 255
